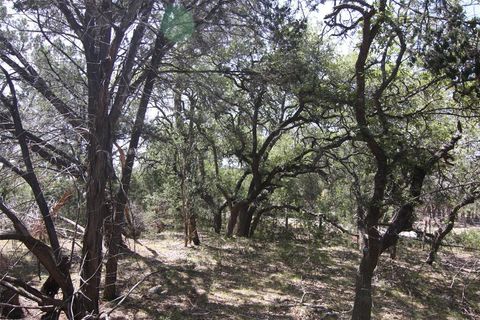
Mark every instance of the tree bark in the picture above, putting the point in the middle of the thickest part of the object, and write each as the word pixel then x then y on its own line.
pixel 235 211
pixel 121 198
pixel 245 216
pixel 217 221
pixel 96 212
pixel 256 221
pixel 191 233
pixel 362 307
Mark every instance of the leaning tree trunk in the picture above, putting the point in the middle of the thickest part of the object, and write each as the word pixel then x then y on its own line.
pixel 442 232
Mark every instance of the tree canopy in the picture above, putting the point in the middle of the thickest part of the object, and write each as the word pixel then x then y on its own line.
pixel 225 114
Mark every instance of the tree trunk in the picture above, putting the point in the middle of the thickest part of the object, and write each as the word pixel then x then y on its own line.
pixel 217 211
pixel 194 230
pixel 255 222
pixel 443 231
pixel 111 267
pixel 191 233
pixel 362 307
pixel 92 240
pixel 100 144
pixel 245 216
pixel 235 210
pixel 50 288
pixel 217 221
pixel 99 172
pixel 232 221
pixel 127 169
pixel 363 291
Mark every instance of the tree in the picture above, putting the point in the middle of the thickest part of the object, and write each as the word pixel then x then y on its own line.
pixel 269 107
pixel 259 109
pixel 388 108
pixel 106 45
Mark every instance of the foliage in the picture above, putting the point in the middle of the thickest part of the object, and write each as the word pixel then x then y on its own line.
pixel 467 238
pixel 234 109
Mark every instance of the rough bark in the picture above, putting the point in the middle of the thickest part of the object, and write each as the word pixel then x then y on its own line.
pixel 256 221
pixel 371 251
pixel 191 233
pixel 245 216
pixel 122 194
pixel 217 221
pixel 235 210
pixel 96 41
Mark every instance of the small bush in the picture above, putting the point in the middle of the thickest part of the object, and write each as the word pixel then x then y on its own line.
pixel 468 238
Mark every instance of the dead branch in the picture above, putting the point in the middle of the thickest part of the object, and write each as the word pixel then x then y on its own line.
pixel 28 291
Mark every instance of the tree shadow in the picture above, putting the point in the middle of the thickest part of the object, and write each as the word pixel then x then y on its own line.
pixel 243 280
pixel 252 279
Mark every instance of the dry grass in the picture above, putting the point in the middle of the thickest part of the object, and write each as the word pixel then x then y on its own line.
pixel 258 279
pixel 252 279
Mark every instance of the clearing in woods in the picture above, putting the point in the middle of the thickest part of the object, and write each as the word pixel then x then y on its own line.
pixel 287 279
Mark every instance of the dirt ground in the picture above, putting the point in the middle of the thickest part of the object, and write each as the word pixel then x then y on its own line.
pixel 294 279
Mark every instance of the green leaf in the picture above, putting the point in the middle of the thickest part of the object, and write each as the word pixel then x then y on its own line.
pixel 177 24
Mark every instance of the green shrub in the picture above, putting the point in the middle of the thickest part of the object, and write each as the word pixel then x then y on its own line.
pixel 468 238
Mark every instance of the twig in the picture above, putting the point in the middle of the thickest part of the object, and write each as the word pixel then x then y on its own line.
pixel 125 296
pixel 2 304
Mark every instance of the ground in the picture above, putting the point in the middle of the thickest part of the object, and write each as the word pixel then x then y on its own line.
pixel 253 279
pixel 286 279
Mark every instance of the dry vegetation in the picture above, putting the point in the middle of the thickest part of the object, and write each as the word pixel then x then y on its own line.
pixel 294 279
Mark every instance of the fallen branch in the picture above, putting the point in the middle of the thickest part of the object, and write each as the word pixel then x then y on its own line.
pixel 25 307
pixel 28 291
pixel 448 245
pixel 73 223
pixel 106 314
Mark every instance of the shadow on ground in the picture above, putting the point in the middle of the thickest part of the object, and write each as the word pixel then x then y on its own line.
pixel 251 279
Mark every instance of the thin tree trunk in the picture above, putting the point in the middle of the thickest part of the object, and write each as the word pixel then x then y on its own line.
pixel 217 221
pixel 193 232
pixel 118 222
pixel 286 221
pixel 256 221
pixel 445 230
pixel 362 307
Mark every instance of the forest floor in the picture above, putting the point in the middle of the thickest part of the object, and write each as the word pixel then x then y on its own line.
pixel 291 279
pixel 287 279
